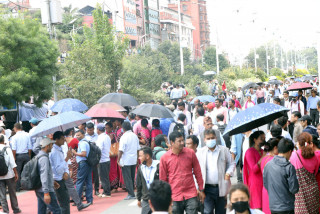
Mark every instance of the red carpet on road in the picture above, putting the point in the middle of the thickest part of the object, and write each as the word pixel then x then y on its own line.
pixel 29 205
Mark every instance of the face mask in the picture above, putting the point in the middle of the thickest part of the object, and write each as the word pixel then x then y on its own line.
pixel 240 206
pixel 164 145
pixel 144 162
pixel 211 143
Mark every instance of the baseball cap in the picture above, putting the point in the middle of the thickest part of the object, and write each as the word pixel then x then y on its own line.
pixel 34 121
pixel 45 142
pixel 101 127
pixel 295 94
pixel 305 117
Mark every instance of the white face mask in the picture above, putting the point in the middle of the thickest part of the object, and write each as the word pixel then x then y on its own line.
pixel 211 143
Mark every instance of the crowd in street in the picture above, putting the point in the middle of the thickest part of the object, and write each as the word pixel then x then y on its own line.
pixel 276 170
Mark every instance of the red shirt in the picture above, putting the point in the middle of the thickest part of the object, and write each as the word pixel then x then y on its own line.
pixel 237 104
pixel 178 171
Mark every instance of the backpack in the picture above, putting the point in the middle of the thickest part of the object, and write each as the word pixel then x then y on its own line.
pixel 154 155
pixel 225 137
pixel 30 176
pixel 3 165
pixel 179 128
pixel 94 155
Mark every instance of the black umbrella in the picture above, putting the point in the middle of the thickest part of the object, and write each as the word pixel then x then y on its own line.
pixel 119 98
pixel 153 110
pixel 304 78
pixel 275 82
pixel 249 85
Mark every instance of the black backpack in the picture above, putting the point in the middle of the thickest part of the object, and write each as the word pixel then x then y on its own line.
pixel 3 165
pixel 179 128
pixel 94 156
pixel 30 176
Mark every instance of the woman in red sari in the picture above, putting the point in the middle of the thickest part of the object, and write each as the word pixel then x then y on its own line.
pixel 144 134
pixel 155 131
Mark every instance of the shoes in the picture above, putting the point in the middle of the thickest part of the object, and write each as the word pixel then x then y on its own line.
pixel 19 211
pixel 104 196
pixel 96 193
pixel 74 204
pixel 129 197
pixel 83 206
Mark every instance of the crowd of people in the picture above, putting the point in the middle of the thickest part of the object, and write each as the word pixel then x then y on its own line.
pixel 276 170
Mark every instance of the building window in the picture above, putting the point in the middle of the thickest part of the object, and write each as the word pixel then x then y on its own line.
pixel 201 9
pixel 184 7
pixel 201 18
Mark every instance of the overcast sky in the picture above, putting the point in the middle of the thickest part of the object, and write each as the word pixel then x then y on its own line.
pixel 291 22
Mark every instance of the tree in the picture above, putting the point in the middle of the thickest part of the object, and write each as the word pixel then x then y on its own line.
pixel 210 59
pixel 95 60
pixel 70 19
pixel 27 61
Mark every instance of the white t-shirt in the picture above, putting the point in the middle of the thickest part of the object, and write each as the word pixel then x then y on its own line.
pixel 129 145
pixel 8 156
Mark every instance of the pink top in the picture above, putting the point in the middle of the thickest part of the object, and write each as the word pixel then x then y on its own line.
pixel 237 104
pixel 137 127
pixel 155 133
pixel 311 164
pixel 260 93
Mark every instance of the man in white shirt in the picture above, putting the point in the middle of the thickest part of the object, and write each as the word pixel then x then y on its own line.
pixel 160 197
pixel 9 180
pixel 128 157
pixel 219 109
pixel 182 109
pixel 296 105
pixel 176 93
pixel 286 100
pixel 232 111
pixel 198 123
pixel 104 143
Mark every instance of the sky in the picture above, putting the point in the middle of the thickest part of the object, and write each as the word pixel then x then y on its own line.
pixel 293 23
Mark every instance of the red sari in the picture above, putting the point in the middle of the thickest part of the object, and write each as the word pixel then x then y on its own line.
pixel 145 134
pixel 114 173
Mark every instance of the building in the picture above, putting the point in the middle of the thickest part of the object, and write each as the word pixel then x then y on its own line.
pixel 87 15
pixel 204 25
pixel 169 20
pixel 152 23
pixel 140 22
pixel 130 21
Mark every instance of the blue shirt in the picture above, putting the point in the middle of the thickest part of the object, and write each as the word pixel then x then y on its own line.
pixel 21 142
pixel 83 146
pixel 91 138
pixel 236 144
pixel 312 102
pixel 165 125
pixel 58 164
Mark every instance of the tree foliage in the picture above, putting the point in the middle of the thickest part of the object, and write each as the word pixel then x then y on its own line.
pixel 70 20
pixel 210 59
pixel 27 61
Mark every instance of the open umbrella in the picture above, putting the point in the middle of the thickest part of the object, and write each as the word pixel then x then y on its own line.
pixel 208 73
pixel 254 117
pixel 69 104
pixel 60 122
pixel 113 106
pixel 309 77
pixel 204 98
pixel 153 110
pixel 100 111
pixel 275 82
pixel 119 98
pixel 298 79
pixel 249 85
pixel 299 86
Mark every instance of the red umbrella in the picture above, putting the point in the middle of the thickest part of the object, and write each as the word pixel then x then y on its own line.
pixel 100 111
pixel 299 86
pixel 110 105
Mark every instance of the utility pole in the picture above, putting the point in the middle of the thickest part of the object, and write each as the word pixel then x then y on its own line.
pixel 217 53
pixel 180 32
pixel 274 54
pixel 318 53
pixel 255 59
pixel 267 59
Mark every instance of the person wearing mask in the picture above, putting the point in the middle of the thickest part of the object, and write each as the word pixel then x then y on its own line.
pixel 147 173
pixel 307 165
pixel 160 197
pixel 297 127
pixel 260 95
pixel 45 194
pixel 178 166
pixel 104 143
pixel 127 158
pixel 252 175
pixel 312 107
pixel 239 198
pixel 307 127
pixel 219 109
pixel 280 180
pixel 271 147
pixel 217 166
pixel 9 180
pixel 296 105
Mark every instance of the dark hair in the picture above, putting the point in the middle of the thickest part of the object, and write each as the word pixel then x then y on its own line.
pixel 297 113
pixel 182 117
pixel 144 123
pixel 17 126
pixel 200 111
pixel 316 141
pixel 84 124
pixel 220 117
pixel 161 103
pixel 195 139
pixel 181 104
pixel 241 187
pixel 81 131
pixel 231 100
pixel 90 126
pixel 271 143
pixel 276 130
pixel 285 145
pixel 277 99
pixel 219 100
pixel 159 139
pixel 174 135
pixel 286 92
pixel 254 135
pixel 156 123
pixel 126 125
pixel 160 195
pixel 68 131
pixel 131 115
pixel 147 151
pixel 57 135
pixel 109 124
pixel 174 104
pixel 209 132
pixel 306 151
pixel 1 139
pixel 282 121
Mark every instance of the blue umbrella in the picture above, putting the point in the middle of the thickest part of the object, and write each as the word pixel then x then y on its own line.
pixel 298 80
pixel 254 117
pixel 60 122
pixel 69 104
pixel 204 98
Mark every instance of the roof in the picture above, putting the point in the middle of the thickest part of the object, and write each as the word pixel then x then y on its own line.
pixel 88 10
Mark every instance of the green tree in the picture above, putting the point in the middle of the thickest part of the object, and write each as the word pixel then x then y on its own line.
pixel 210 59
pixel 70 20
pixel 27 61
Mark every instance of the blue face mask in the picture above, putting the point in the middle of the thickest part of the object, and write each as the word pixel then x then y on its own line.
pixel 211 143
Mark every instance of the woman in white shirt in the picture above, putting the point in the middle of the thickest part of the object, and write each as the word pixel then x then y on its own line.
pixel 239 198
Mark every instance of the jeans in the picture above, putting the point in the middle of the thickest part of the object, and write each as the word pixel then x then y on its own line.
pixel 104 169
pixel 63 197
pixel 73 192
pixel 84 177
pixel 53 206
pixel 239 174
pixel 128 173
pixel 282 212
pixel 145 207
pixel 21 160
pixel 190 206
pixel 260 100
pixel 213 201
pixel 314 114
pixel 11 184
pixel 95 175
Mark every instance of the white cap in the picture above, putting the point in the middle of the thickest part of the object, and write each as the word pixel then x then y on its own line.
pixel 45 142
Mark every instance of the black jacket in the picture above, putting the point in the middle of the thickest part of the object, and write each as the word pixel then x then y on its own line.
pixel 142 189
pixel 311 130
